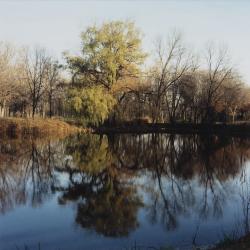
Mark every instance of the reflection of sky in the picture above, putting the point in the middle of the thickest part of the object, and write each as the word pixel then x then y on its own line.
pixel 57 24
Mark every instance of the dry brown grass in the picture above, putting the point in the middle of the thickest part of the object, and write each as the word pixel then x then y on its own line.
pixel 35 127
pixel 242 243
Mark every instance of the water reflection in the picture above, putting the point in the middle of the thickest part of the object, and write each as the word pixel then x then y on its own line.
pixel 106 200
pixel 188 173
pixel 25 173
pixel 109 180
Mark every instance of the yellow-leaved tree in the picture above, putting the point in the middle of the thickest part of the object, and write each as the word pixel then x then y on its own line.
pixel 110 53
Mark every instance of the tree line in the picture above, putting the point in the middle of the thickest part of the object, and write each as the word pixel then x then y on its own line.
pixel 110 82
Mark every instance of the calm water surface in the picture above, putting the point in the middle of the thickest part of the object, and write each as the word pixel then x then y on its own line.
pixel 102 192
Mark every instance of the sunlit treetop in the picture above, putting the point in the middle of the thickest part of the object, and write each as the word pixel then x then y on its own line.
pixel 109 53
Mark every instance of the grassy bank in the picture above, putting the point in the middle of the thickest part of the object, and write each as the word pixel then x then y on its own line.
pixel 243 243
pixel 35 127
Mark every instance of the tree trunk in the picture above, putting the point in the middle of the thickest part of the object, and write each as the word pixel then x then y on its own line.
pixel 50 106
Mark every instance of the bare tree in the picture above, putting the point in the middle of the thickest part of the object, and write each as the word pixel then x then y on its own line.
pixel 52 82
pixel 8 76
pixel 234 96
pixel 173 61
pixel 217 73
pixel 36 63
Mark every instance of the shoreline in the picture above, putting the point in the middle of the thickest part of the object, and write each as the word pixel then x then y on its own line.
pixel 16 127
pixel 37 127
pixel 233 244
pixel 237 129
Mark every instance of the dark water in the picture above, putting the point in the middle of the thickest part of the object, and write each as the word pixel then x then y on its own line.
pixel 99 192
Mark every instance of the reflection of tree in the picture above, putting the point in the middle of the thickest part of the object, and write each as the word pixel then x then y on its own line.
pixel 89 152
pixel 245 199
pixel 106 201
pixel 180 175
pixel 175 166
pixel 187 172
pixel 25 173
pixel 111 210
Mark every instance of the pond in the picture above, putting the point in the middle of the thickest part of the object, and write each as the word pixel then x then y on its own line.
pixel 153 191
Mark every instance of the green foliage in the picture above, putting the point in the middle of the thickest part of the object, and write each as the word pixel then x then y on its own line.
pixel 92 104
pixel 109 53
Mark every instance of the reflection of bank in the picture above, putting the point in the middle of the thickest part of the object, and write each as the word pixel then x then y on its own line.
pixel 184 156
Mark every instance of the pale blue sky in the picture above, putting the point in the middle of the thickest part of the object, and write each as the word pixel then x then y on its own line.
pixel 56 25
